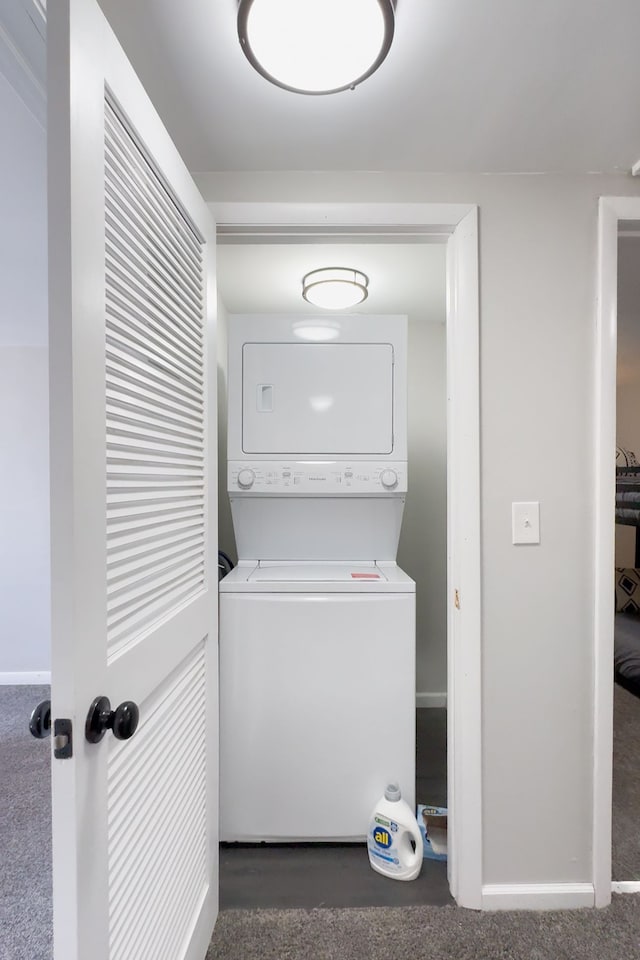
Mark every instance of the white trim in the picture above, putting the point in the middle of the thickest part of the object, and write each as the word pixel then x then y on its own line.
pixel 537 896
pixel 458 225
pixel 446 216
pixel 611 211
pixel 635 169
pixel 464 615
pixel 625 886
pixel 431 700
pixel 22 678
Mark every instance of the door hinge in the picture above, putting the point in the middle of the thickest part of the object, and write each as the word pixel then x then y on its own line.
pixel 456 599
pixel 62 739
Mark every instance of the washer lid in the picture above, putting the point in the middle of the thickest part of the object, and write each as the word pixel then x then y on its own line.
pixel 318 572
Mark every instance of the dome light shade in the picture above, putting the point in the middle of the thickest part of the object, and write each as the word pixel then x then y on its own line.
pixel 335 288
pixel 316 329
pixel 316 46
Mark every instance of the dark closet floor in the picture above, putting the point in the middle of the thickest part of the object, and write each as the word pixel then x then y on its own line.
pixel 339 875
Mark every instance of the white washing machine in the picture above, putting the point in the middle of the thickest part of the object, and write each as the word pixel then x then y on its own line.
pixel 317 622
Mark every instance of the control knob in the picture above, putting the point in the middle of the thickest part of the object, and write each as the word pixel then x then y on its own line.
pixel 246 478
pixel 388 478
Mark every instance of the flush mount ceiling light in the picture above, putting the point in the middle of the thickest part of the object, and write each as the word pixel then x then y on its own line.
pixel 335 288
pixel 315 46
pixel 317 329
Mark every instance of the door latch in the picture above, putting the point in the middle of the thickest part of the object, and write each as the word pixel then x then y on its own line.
pixel 40 727
pixel 62 739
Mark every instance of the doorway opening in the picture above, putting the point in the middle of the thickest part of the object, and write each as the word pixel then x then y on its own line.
pixel 279 244
pixel 617 553
pixel 625 851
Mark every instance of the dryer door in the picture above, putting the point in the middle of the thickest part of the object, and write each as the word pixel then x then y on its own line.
pixel 317 399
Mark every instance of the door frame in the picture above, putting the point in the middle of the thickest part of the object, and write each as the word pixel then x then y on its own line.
pixel 457 226
pixel 612 210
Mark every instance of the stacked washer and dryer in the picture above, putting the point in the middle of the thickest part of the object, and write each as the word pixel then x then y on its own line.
pixel 317 621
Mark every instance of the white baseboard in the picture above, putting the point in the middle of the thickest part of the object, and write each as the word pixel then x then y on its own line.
pixel 625 886
pixel 21 678
pixel 537 896
pixel 431 699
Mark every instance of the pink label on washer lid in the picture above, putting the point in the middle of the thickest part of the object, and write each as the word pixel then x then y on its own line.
pixel 365 576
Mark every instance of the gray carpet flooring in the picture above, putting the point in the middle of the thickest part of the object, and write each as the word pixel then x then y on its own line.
pixel 25 830
pixel 428 933
pixel 330 933
pixel 625 828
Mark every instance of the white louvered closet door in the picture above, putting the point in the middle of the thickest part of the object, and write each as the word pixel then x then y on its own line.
pixel 134 547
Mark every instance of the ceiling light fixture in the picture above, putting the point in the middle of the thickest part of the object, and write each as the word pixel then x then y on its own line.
pixel 316 329
pixel 316 46
pixel 335 288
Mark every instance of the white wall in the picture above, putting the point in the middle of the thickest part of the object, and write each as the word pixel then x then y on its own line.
pixel 24 511
pixel 422 550
pixel 23 224
pixel 24 442
pixel 226 539
pixel 537 289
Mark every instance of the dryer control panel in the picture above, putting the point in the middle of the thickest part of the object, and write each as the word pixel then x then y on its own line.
pixel 328 478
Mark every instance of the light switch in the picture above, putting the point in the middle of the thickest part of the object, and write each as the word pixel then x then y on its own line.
pixel 525 522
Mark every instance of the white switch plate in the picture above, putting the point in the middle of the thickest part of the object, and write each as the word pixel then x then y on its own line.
pixel 525 522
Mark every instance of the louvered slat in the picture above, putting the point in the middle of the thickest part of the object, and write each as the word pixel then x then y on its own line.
pixel 130 432
pixel 141 285
pixel 130 374
pixel 128 534
pixel 152 207
pixel 125 288
pixel 154 896
pixel 140 419
pixel 128 588
pixel 141 562
pixel 163 212
pixel 154 394
pixel 161 506
pixel 125 331
pixel 134 213
pixel 169 291
pixel 142 550
pixel 130 234
pixel 153 449
pixel 151 607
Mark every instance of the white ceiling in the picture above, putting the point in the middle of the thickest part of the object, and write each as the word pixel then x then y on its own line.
pixel 404 278
pixel 502 85
pixel 493 86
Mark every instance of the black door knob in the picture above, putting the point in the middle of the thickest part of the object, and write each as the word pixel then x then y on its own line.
pixel 40 720
pixel 123 721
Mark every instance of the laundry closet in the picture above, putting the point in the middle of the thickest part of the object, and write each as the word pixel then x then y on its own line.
pixel 333 503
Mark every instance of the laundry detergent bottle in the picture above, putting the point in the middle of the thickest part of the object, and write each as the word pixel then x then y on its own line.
pixel 394 840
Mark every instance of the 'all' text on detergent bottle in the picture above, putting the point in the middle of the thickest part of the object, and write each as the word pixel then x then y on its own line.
pixel 394 840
